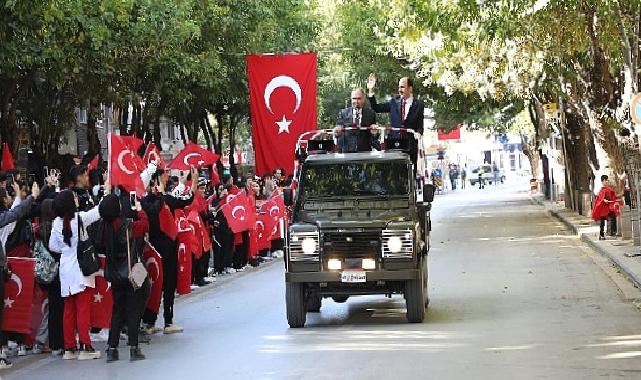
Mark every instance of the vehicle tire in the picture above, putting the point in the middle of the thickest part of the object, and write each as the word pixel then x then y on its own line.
pixel 340 299
pixel 314 303
pixel 415 298
pixel 295 301
pixel 426 284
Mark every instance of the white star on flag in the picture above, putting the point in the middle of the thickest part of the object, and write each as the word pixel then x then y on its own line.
pixel 8 302
pixel 283 125
pixel 97 298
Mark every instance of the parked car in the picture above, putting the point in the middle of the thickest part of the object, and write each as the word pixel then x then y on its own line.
pixel 488 175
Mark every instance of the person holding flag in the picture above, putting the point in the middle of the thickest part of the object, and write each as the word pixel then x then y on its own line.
pixel 114 234
pixel 8 217
pixel 163 233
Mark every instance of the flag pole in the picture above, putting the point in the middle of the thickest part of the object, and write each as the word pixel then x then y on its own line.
pixel 109 157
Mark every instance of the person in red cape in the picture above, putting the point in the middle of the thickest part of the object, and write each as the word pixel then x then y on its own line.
pixel 163 234
pixel 116 238
pixel 605 207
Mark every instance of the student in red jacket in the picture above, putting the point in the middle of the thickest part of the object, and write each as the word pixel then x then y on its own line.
pixel 605 207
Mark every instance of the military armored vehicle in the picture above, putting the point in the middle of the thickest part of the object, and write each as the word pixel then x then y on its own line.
pixel 359 224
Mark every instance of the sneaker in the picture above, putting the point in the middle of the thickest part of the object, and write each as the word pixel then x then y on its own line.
pixel 240 269
pixel 57 352
pixel 152 329
pixel 5 363
pixel 70 355
pixel 172 329
pixel 136 354
pixel 210 279
pixel 39 348
pixel 22 350
pixel 88 353
pixel 112 355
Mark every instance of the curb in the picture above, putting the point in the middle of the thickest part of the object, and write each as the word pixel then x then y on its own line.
pixel 633 277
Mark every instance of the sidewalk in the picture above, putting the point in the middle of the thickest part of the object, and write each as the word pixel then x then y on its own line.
pixel 614 249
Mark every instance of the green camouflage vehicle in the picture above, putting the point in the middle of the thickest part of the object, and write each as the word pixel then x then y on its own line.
pixel 359 225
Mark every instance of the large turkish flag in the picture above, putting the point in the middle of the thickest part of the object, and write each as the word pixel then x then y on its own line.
pixel 282 95
pixel 18 295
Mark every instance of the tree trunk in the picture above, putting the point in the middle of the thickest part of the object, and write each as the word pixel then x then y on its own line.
pixel 182 134
pixel 203 127
pixel 124 120
pixel 92 133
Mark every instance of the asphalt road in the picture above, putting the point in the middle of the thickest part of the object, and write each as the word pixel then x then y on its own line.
pixel 512 297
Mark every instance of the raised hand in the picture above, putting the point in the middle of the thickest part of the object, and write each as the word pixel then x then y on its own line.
pixel 371 82
pixel 35 190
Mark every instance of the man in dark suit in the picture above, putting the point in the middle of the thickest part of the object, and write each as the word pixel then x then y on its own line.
pixel 405 110
pixel 356 116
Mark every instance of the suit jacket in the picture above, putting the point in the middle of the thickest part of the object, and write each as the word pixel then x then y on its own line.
pixel 415 115
pixel 348 141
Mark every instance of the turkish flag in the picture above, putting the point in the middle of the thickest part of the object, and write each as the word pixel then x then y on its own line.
pixel 167 222
pixel 264 226
pixel 153 263
pixel 193 155
pixel 183 285
pixel 454 134
pixel 152 154
pixel 237 212
pixel 124 164
pixel 282 95
pixel 7 158
pixel 101 299
pixel 18 295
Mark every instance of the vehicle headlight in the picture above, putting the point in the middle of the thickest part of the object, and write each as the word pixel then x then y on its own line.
pixel 303 246
pixel 309 246
pixel 395 244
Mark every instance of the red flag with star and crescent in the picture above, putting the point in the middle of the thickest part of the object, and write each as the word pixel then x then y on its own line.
pixel 124 164
pixel 282 95
pixel 193 155
pixel 18 295
pixel 101 299
pixel 153 155
pixel 153 263
pixel 237 212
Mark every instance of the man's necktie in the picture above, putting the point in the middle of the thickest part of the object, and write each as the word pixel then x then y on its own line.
pixel 402 110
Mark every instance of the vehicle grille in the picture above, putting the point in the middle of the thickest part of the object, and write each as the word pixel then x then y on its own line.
pixel 352 244
pixel 296 247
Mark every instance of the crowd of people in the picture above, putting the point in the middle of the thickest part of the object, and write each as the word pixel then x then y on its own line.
pixel 68 214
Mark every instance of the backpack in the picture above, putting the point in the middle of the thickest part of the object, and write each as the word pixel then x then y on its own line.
pixel 46 266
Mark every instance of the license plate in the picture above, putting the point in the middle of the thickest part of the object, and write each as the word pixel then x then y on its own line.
pixel 353 276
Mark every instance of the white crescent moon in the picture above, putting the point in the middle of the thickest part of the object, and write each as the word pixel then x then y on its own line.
pixel 108 286
pixel 186 158
pixel 233 212
pixel 44 303
pixel 153 156
pixel 124 168
pixel 15 278
pixel 282 81
pixel 153 260
pixel 272 209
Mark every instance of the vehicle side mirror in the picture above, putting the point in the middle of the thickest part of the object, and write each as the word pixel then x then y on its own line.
pixel 288 197
pixel 428 192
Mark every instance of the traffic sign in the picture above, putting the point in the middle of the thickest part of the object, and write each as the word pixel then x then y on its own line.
pixel 635 108
pixel 550 107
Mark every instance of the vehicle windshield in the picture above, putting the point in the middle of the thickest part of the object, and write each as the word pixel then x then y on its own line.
pixel 355 179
